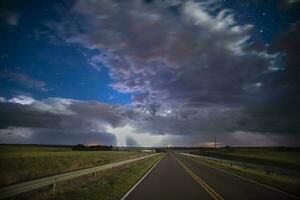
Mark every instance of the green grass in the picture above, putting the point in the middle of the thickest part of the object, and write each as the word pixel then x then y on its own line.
pixel 20 163
pixel 284 159
pixel 107 185
pixel 290 184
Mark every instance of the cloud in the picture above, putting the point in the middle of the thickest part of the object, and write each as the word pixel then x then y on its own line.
pixel 167 58
pixel 290 2
pixel 130 142
pixel 59 113
pixel 190 70
pixel 24 80
pixel 68 121
pixel 16 132
pixel 188 66
pixel 288 42
pixel 24 100
pixel 290 6
pixel 23 135
pixel 2 100
pixel 55 119
pixel 58 119
pixel 238 138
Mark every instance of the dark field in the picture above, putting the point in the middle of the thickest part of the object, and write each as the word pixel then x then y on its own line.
pixel 110 184
pixel 288 158
pixel 20 163
pixel 276 167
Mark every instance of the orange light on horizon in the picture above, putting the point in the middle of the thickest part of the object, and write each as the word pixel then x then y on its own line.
pixel 92 144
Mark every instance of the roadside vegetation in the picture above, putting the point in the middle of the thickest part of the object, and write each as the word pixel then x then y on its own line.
pixel 110 184
pixel 21 163
pixel 288 158
pixel 285 159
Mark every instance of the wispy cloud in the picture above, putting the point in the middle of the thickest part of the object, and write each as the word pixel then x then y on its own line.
pixel 24 80
pixel 23 100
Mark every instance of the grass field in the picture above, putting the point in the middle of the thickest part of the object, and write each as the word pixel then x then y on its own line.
pixel 20 163
pixel 107 185
pixel 288 160
pixel 265 156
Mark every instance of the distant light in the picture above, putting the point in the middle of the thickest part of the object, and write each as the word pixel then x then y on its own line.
pixel 92 144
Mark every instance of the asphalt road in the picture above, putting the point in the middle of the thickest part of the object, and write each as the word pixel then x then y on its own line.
pixel 179 177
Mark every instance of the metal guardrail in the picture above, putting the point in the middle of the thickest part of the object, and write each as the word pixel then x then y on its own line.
pixel 18 188
pixel 266 168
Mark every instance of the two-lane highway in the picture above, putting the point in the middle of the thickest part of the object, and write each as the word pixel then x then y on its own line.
pixel 179 177
pixel 168 180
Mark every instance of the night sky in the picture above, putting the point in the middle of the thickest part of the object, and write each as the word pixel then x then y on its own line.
pixel 150 73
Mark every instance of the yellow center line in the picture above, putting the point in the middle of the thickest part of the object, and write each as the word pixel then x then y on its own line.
pixel 204 185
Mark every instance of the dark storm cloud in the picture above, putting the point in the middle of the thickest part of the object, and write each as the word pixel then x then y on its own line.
pixel 59 113
pixel 191 62
pixel 54 136
pixel 279 109
pixel 65 121
pixel 56 118
pixel 189 68
pixel 289 43
pixel 289 5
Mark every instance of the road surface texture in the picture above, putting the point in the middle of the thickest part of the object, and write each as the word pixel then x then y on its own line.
pixel 180 177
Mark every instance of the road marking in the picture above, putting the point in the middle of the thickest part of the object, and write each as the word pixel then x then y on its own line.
pixel 131 189
pixel 241 177
pixel 204 185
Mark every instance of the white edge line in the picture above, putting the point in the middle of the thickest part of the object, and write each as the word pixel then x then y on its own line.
pixel 133 187
pixel 244 178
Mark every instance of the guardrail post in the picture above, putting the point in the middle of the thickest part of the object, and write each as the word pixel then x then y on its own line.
pixel 53 187
pixel 94 174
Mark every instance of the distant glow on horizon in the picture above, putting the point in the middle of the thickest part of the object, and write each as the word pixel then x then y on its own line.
pixel 93 144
